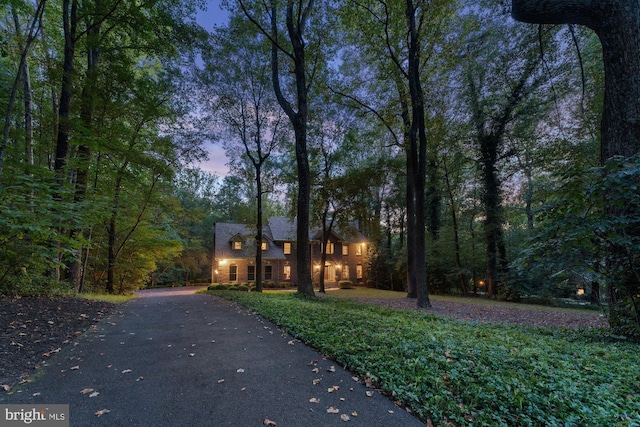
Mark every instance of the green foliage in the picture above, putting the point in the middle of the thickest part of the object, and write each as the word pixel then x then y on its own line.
pixel 591 234
pixel 30 219
pixel 113 299
pixel 345 284
pixel 461 373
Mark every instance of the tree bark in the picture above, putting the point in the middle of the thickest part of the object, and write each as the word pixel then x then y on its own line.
pixel 299 118
pixel 454 224
pixel 418 142
pixel 87 102
pixel 69 11
pixel 26 97
pixel 617 24
pixel 21 67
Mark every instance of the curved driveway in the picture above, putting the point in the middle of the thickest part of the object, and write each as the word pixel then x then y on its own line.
pixel 175 358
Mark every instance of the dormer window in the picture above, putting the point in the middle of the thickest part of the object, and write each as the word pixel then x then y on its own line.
pixel 237 245
pixel 264 246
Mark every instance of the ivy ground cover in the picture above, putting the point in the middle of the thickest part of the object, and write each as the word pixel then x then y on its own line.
pixel 450 372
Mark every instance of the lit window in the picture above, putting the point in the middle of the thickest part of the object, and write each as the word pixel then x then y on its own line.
pixel 345 271
pixel 233 273
pixel 264 246
pixel 287 248
pixel 237 245
pixel 251 272
pixel 359 271
pixel 287 272
pixel 359 248
pixel 330 247
pixel 345 249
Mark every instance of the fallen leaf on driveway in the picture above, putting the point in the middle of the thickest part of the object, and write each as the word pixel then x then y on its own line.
pixel 314 400
pixel 94 394
pixel 333 388
pixel 332 410
pixel 86 390
pixel 354 414
pixel 240 370
pixel 6 387
pixel 268 422
pixel 316 381
pixel 331 369
pixel 75 368
pixel 344 417
pixel 126 371
pixel 369 393
pixel 101 412
pixel 220 381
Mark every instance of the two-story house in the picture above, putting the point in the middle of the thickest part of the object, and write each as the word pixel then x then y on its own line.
pixel 233 258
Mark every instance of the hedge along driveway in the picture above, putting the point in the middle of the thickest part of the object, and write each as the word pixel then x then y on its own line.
pixel 468 373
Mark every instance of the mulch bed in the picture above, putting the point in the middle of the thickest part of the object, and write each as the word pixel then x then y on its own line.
pixel 33 329
pixel 534 316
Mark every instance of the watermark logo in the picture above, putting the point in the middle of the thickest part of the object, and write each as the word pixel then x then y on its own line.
pixel 34 415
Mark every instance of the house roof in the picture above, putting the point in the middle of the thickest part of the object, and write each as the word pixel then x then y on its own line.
pixel 282 229
pixel 225 233
pixel 277 229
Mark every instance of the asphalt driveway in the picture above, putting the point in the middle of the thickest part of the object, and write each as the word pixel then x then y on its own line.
pixel 176 358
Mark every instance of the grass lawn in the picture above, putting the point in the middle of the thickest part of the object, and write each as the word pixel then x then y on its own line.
pixel 113 299
pixel 459 373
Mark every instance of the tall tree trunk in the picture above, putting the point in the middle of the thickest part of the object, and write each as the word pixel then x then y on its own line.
pixel 87 103
pixel 69 11
pixel 454 223
pixel 418 141
pixel 26 96
pixel 489 145
pixel 295 28
pixel 617 24
pixel 259 226
pixel 112 234
pixel 412 287
pixel 21 67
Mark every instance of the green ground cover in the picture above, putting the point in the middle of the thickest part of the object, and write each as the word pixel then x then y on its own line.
pixel 113 299
pixel 449 371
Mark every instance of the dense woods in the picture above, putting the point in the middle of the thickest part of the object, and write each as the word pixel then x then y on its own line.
pixel 479 154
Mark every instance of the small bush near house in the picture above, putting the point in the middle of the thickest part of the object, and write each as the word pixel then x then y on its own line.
pixel 243 288
pixel 345 284
pixel 218 287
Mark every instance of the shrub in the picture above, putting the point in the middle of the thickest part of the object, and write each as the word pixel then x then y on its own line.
pixel 345 284
pixel 243 288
